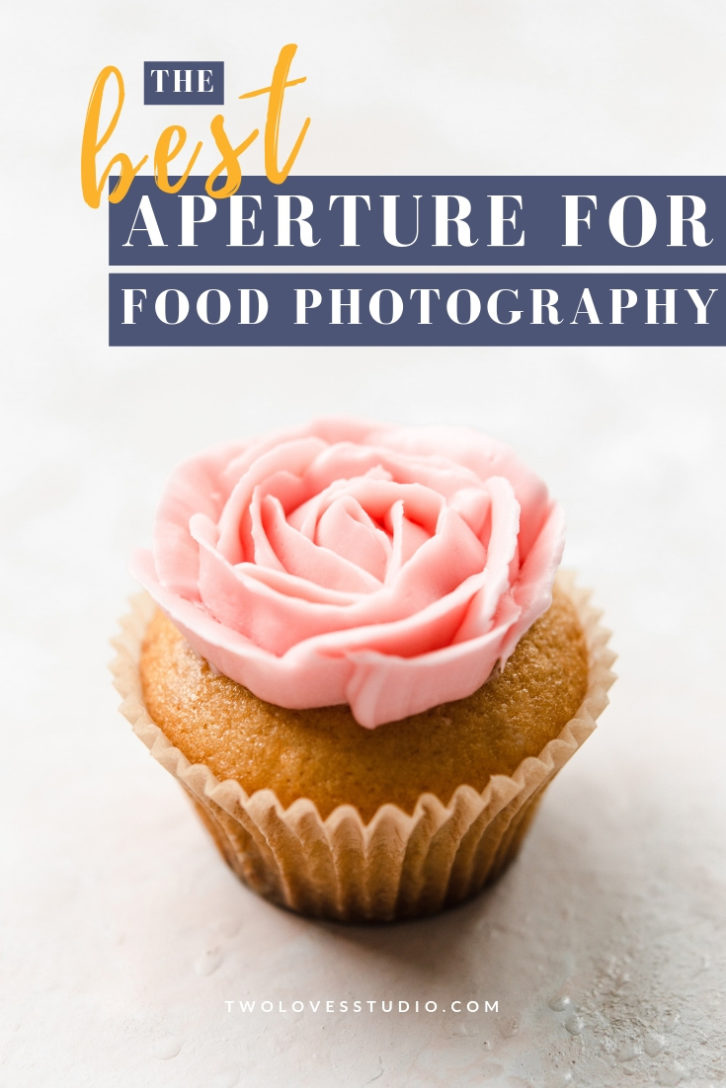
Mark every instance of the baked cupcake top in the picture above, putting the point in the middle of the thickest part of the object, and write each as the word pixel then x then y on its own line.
pixel 390 569
pixel 321 753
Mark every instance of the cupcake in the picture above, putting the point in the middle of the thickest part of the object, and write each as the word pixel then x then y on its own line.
pixel 356 654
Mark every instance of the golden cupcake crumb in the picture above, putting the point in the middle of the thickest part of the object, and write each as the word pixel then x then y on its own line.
pixel 323 754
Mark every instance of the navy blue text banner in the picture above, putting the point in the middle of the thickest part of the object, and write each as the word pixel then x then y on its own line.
pixel 433 221
pixel 183 83
pixel 416 309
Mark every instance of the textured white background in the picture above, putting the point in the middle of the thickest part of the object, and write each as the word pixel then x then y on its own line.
pixel 123 934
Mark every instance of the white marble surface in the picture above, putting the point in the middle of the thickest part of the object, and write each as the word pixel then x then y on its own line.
pixel 123 935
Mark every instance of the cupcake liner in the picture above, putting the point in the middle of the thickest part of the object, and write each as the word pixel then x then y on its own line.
pixel 395 866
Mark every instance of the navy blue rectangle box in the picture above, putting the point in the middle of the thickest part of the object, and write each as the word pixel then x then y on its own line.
pixel 621 309
pixel 183 82
pixel 258 225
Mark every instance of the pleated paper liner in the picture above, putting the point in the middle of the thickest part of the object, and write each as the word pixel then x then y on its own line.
pixel 395 866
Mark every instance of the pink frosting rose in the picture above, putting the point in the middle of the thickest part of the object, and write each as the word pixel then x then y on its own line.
pixel 386 568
